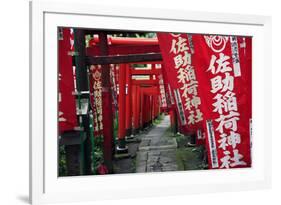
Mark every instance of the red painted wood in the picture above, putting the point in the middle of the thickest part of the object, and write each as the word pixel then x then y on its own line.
pixel 146 72
pixel 144 109
pixel 123 49
pixel 128 98
pixel 122 102
pixel 145 82
pixel 134 106
pixel 153 110
pixel 147 108
pixel 153 90
pixel 125 41
pixel 107 128
pixel 156 104
pixel 149 62
pixel 138 108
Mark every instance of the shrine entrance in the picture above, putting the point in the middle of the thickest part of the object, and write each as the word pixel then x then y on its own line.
pixel 125 120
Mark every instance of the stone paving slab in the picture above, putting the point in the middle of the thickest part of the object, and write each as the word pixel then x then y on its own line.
pixel 157 152
pixel 163 147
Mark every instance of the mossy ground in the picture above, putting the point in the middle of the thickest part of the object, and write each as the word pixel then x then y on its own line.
pixel 188 158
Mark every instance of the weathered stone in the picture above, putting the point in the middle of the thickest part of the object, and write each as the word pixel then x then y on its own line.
pixel 157 152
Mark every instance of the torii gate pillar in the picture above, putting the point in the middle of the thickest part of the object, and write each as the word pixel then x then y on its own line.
pixel 108 143
pixel 121 146
pixel 128 101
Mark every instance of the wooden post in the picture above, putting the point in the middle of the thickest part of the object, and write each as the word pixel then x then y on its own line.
pixel 108 142
pixel 141 107
pixel 128 101
pixel 146 109
pixel 149 110
pixel 82 85
pixel 158 106
pixel 121 147
pixel 138 103
pixel 134 108
pixel 154 107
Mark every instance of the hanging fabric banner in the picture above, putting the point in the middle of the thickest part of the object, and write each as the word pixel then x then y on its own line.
pixel 67 107
pixel 168 92
pixel 96 98
pixel 176 51
pixel 113 84
pixel 223 68
pixel 162 91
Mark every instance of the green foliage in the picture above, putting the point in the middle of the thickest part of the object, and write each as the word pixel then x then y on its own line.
pixel 158 120
pixel 135 35
pixel 98 152
pixel 188 158
pixel 181 139
pixel 191 158
pixel 139 65
pixel 97 159
pixel 62 161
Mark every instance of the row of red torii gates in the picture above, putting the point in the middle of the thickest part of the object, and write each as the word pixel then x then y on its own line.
pixel 139 97
pixel 138 100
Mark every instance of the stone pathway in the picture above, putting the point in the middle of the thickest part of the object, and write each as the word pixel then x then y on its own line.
pixel 157 152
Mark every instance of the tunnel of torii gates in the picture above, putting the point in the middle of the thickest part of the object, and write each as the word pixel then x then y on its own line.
pixel 141 93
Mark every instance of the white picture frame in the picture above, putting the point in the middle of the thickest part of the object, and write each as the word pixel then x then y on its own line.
pixel 46 187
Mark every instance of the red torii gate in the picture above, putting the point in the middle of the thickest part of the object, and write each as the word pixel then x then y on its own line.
pixel 138 101
pixel 125 51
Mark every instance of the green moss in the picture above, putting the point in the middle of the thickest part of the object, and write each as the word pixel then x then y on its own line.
pixel 158 120
pixel 190 158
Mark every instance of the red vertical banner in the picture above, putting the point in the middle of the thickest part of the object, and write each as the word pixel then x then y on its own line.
pixel 162 90
pixel 67 107
pixel 168 92
pixel 176 52
pixel 113 83
pixel 96 98
pixel 224 76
